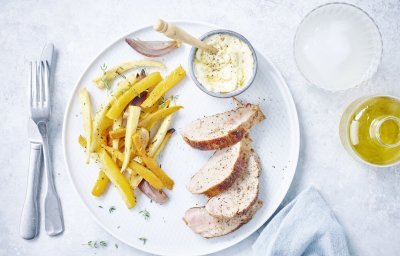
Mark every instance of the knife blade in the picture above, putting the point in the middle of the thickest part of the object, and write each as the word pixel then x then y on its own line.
pixel 33 132
pixel 47 54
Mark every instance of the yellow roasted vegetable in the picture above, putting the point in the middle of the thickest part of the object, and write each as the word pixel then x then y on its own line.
pixel 101 184
pixel 172 79
pixel 134 179
pixel 144 172
pixel 117 178
pixel 151 163
pixel 117 133
pixel 116 126
pixel 86 108
pixel 163 143
pixel 153 118
pixel 114 152
pixel 121 102
pixel 106 78
pixel 101 121
pixel 82 141
pixel 160 134
pixel 144 136
pixel 131 125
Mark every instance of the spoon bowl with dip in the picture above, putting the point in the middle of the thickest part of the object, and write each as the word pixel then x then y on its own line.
pixel 222 63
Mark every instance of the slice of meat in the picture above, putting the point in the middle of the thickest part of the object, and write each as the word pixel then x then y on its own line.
pixel 157 196
pixel 222 130
pixel 239 198
pixel 202 223
pixel 221 170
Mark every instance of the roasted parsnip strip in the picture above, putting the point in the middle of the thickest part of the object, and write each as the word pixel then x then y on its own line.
pixel 160 134
pixel 121 102
pixel 134 178
pixel 106 78
pixel 163 143
pixel 101 184
pixel 172 79
pixel 117 133
pixel 153 118
pixel 151 163
pixel 131 125
pixel 116 126
pixel 138 168
pixel 146 174
pixel 144 136
pixel 86 108
pixel 117 178
pixel 102 180
pixel 101 121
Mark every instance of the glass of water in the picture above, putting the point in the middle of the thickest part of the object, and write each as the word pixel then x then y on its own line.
pixel 338 46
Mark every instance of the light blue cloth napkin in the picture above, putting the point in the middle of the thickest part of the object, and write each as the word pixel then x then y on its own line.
pixel 306 226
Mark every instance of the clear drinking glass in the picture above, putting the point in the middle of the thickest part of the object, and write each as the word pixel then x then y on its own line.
pixel 337 46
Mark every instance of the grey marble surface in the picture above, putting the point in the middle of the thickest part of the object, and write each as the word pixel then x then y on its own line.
pixel 365 200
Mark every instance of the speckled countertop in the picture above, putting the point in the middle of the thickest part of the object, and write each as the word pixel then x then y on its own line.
pixel 365 200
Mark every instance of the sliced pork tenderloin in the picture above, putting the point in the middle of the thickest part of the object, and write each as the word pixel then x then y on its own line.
pixel 221 170
pixel 222 130
pixel 202 223
pixel 240 197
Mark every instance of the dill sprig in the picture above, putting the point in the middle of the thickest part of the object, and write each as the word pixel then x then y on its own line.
pixel 145 213
pixel 111 209
pixel 143 239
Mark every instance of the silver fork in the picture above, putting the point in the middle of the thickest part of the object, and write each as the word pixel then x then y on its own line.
pixel 40 108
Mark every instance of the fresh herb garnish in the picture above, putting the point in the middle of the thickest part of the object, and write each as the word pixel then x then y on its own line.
pixel 112 208
pixel 100 206
pixel 96 244
pixel 174 97
pixel 143 239
pixel 120 74
pixel 116 246
pixel 145 213
pixel 104 79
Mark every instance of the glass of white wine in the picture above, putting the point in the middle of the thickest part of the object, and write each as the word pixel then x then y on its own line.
pixel 370 130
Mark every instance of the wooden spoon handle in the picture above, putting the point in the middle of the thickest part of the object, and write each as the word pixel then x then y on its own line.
pixel 176 33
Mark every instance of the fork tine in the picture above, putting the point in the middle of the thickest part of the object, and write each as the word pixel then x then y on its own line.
pixel 30 83
pixel 41 83
pixel 46 81
pixel 34 84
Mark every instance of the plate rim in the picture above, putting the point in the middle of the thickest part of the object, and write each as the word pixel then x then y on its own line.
pixel 294 119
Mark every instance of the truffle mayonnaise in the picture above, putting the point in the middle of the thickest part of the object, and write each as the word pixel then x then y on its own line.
pixel 228 70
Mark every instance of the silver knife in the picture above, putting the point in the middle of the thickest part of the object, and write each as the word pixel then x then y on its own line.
pixel 54 223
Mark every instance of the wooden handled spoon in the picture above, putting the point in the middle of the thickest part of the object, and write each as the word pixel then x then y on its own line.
pixel 176 33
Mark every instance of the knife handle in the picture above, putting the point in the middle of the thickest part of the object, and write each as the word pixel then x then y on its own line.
pixel 53 217
pixel 29 225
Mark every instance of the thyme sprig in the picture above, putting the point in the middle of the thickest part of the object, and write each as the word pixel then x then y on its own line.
pixel 96 244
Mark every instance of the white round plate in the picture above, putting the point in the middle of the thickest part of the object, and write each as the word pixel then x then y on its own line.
pixel 276 140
